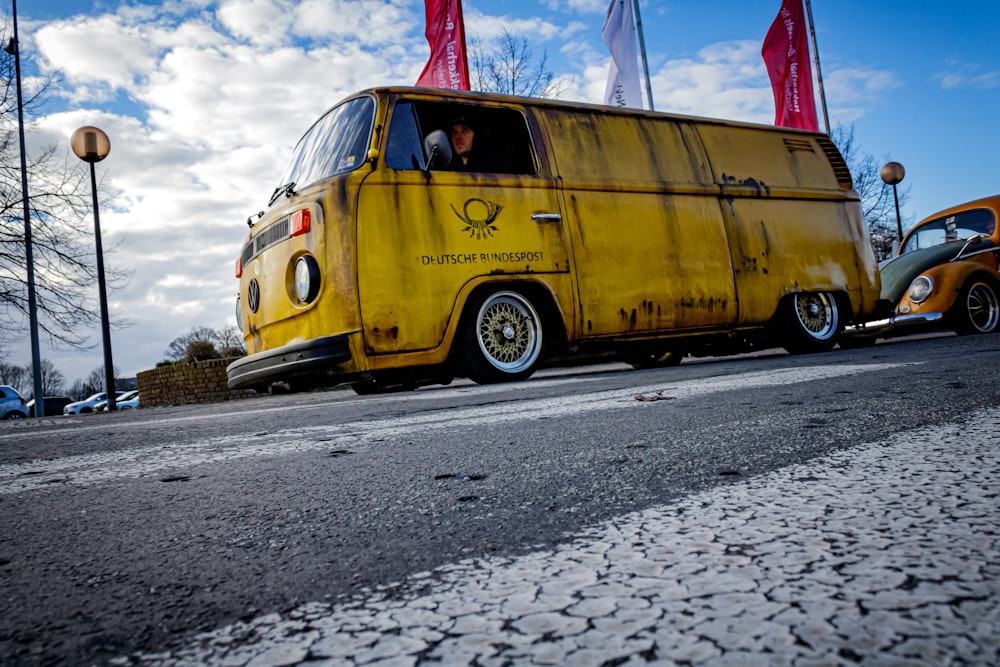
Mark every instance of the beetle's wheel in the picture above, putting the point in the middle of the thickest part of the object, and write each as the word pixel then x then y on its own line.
pixel 978 310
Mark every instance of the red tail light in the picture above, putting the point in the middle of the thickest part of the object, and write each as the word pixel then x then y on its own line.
pixel 301 221
pixel 239 267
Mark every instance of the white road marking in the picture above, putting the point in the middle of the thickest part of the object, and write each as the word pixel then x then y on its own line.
pixel 886 553
pixel 89 469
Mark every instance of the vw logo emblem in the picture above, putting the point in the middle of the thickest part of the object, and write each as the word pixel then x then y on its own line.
pixel 253 295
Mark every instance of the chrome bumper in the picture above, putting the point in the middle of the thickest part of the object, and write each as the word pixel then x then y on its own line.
pixel 890 324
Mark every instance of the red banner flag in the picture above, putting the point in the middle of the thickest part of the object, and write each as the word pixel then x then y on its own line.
pixel 786 56
pixel 448 66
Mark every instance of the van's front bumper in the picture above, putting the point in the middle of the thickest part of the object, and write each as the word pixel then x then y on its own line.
pixel 312 358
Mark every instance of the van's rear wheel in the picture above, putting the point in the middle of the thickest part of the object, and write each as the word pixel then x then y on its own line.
pixel 810 322
pixel 977 309
pixel 501 338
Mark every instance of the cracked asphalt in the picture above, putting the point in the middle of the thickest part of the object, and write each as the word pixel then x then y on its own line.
pixel 836 509
pixel 885 554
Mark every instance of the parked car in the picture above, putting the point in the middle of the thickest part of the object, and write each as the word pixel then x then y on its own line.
pixel 87 404
pixel 128 404
pixel 53 405
pixel 130 399
pixel 12 405
pixel 945 275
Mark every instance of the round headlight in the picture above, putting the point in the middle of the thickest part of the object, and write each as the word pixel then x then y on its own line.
pixel 920 289
pixel 306 279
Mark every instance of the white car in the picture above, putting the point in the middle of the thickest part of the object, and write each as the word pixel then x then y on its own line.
pixel 126 401
pixel 87 404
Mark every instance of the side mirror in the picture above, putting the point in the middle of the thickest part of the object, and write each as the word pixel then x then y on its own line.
pixel 437 150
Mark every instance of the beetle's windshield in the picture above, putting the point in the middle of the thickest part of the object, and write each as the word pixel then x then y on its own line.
pixel 951 228
pixel 337 143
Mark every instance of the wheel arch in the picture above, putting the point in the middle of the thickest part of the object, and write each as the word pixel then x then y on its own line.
pixel 958 316
pixel 541 297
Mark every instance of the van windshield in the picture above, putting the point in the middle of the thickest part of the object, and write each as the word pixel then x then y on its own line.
pixel 956 227
pixel 336 144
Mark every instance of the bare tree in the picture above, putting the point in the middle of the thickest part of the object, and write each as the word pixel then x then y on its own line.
pixel 53 380
pixel 60 208
pixel 206 343
pixel 230 341
pixel 17 377
pixel 877 201
pixel 178 348
pixel 95 382
pixel 507 66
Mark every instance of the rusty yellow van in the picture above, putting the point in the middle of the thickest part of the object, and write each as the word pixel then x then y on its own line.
pixel 388 258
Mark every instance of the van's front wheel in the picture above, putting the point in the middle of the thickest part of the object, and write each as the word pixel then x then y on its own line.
pixel 810 322
pixel 501 338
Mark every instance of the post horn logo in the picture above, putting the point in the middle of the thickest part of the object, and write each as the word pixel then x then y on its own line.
pixel 479 215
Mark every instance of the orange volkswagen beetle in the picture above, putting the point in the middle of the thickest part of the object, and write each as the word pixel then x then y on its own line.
pixel 946 274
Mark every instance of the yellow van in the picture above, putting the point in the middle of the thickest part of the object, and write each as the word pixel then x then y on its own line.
pixel 390 256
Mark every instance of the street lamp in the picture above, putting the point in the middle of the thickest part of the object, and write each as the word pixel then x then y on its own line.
pixel 92 145
pixel 36 358
pixel 892 173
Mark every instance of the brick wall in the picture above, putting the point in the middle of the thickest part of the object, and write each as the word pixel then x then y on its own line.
pixel 194 382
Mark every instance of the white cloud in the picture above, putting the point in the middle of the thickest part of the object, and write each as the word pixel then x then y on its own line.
pixel 370 22
pixel 582 6
pixel 100 51
pixel 966 75
pixel 486 27
pixel 262 22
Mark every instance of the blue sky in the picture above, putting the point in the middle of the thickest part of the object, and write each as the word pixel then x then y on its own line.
pixel 203 100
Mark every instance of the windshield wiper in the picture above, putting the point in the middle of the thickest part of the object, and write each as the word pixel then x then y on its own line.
pixel 288 190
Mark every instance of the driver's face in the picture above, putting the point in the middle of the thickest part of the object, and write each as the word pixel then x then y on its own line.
pixel 461 138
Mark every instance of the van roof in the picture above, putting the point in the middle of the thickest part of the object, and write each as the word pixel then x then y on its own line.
pixel 470 96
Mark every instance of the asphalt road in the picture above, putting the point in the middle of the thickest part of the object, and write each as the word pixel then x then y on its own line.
pixel 829 509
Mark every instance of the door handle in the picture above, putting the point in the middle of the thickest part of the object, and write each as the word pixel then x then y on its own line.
pixel 546 217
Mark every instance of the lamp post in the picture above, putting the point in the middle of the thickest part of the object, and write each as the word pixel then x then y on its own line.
pixel 36 363
pixel 892 173
pixel 92 145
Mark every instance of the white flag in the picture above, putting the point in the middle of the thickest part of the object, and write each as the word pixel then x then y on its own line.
pixel 623 75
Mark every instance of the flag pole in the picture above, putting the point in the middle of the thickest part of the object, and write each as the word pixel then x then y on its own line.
pixel 819 72
pixel 642 52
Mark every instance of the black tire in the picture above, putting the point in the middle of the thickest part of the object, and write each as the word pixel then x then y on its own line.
pixel 501 338
pixel 662 360
pixel 810 322
pixel 13 415
pixel 977 310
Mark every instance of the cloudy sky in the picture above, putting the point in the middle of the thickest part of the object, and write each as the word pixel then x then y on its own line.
pixel 204 99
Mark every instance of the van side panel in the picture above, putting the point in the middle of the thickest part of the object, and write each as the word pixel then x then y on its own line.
pixel 648 239
pixel 788 219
